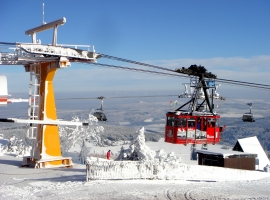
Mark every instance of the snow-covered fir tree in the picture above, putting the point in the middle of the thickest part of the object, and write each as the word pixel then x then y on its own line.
pixel 139 151
pixel 70 136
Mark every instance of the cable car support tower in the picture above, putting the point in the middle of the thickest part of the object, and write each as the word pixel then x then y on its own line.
pixel 42 62
pixel 198 74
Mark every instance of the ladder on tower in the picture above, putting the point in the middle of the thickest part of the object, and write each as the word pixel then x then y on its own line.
pixel 33 103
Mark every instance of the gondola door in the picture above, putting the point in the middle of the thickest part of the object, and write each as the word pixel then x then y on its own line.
pixel 213 129
pixel 169 129
pixel 181 129
pixel 200 130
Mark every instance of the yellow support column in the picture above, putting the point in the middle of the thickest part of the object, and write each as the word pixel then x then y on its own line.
pixel 47 152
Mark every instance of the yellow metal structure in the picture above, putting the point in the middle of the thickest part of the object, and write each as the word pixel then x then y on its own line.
pixel 42 61
pixel 47 152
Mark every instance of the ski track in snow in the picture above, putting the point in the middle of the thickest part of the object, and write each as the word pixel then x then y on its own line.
pixel 138 189
pixel 61 183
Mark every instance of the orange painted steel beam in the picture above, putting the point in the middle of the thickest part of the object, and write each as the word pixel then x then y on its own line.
pixel 48 147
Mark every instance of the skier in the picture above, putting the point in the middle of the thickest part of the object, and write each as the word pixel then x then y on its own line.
pixel 109 154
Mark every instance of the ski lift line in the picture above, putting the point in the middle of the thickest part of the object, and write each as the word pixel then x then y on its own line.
pixel 220 79
pixel 162 73
pixel 137 70
pixel 241 102
pixel 135 62
pixel 157 67
pixel 240 83
pixel 163 68
pixel 123 97
pixel 7 43
pixel 234 100
pixel 232 82
pixel 245 84
pixel 76 98
pixel 248 84
pixel 174 75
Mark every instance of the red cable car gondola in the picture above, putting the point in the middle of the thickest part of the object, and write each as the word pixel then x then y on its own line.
pixel 196 125
pixel 184 128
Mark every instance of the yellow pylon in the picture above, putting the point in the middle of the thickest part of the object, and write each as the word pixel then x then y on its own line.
pixel 47 149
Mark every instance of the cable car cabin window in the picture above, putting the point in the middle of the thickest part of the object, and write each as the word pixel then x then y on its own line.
pixel 170 121
pixel 180 122
pixel 199 125
pixel 211 122
pixel 217 122
pixel 191 123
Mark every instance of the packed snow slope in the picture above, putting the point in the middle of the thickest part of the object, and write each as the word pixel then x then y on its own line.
pixel 70 183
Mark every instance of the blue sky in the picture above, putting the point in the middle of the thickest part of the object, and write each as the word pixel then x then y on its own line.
pixel 231 38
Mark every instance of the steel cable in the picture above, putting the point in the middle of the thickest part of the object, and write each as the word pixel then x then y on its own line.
pixel 232 82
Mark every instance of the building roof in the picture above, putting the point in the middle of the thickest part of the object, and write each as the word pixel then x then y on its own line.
pixel 252 145
pixel 227 153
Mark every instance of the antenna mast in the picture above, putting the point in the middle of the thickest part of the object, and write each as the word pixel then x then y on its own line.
pixel 43 14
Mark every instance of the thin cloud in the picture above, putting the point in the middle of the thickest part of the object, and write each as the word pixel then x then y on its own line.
pixel 260 62
pixel 256 68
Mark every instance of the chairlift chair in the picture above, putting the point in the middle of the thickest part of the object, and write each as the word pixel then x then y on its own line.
pixel 99 114
pixel 248 117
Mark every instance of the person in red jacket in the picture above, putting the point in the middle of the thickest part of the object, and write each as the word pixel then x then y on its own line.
pixel 109 155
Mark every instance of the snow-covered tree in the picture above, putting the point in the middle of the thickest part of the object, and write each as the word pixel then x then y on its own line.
pixel 84 152
pixel 17 146
pixel 3 149
pixel 70 136
pixel 137 149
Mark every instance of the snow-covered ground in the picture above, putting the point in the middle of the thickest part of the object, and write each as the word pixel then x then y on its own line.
pixel 70 183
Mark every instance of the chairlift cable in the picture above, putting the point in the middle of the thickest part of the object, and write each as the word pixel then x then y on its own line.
pixel 135 62
pixel 123 97
pixel 227 80
pixel 241 102
pixel 232 82
pixel 244 85
pixel 139 70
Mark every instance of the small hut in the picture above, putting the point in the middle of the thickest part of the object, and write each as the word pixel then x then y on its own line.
pixel 252 145
pixel 227 158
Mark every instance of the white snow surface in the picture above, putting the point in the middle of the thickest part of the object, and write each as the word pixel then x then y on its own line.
pixel 70 183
